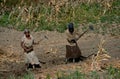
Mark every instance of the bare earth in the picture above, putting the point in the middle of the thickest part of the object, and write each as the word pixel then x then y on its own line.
pixel 51 50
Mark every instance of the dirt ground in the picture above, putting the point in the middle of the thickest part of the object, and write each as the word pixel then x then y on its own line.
pixel 51 50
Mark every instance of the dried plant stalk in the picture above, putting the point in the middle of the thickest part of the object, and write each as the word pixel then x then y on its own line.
pixel 100 56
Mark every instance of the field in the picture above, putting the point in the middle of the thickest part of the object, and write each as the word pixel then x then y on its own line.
pixel 48 21
pixel 52 51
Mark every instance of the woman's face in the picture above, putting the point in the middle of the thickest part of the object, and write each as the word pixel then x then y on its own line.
pixel 27 34
pixel 71 30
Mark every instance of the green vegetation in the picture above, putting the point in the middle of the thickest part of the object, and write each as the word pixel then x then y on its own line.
pixel 26 76
pixel 37 15
pixel 110 73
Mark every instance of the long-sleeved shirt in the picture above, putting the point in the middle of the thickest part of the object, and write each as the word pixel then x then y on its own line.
pixel 73 36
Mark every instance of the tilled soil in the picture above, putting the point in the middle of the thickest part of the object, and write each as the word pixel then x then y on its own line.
pixel 51 50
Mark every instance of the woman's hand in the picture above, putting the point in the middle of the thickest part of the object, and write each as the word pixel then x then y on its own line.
pixel 28 49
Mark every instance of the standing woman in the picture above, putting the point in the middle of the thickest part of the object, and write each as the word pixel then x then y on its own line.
pixel 72 49
pixel 27 44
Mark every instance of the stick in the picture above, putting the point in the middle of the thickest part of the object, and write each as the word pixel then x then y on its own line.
pixel 90 28
pixel 42 39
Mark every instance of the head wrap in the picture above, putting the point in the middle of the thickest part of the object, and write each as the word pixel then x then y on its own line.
pixel 26 31
pixel 71 27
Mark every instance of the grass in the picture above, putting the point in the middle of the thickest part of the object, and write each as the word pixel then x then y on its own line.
pixel 110 73
pixel 25 76
pixel 56 17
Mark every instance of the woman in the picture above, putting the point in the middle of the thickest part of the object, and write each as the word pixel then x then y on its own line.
pixel 27 44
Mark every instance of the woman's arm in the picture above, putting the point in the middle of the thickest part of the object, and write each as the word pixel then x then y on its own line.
pixel 23 46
